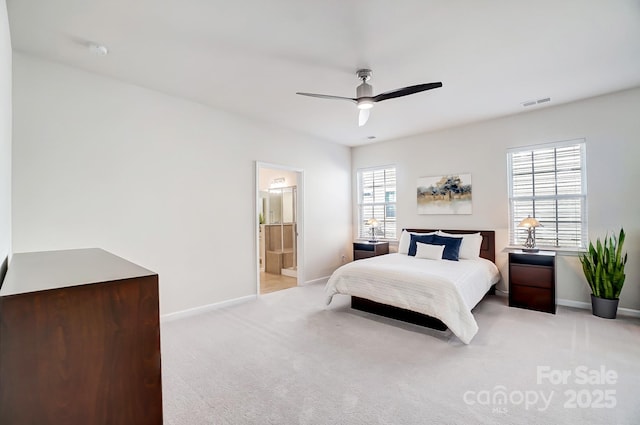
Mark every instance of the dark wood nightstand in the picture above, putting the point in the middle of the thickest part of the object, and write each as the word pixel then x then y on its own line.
pixel 532 280
pixel 369 249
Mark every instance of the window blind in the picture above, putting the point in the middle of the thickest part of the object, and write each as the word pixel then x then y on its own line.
pixel 377 199
pixel 548 182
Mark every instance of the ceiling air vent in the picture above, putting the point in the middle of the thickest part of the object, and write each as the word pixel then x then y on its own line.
pixel 535 102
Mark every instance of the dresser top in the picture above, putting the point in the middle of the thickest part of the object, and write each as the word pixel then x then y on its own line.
pixel 378 242
pixel 543 253
pixel 41 271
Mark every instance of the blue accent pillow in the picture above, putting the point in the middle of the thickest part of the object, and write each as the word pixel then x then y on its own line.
pixel 419 238
pixel 451 246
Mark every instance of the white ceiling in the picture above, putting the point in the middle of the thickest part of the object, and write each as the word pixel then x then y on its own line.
pixel 250 57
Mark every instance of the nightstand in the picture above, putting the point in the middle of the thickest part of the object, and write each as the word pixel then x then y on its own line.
pixel 532 280
pixel 369 249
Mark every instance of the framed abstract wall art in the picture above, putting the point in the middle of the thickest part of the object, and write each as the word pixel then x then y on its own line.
pixel 448 194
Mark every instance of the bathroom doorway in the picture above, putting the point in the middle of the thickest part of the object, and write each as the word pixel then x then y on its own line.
pixel 278 215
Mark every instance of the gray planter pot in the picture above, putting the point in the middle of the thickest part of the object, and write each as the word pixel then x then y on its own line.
pixel 604 308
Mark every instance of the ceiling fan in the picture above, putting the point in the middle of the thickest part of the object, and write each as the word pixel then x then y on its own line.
pixel 364 92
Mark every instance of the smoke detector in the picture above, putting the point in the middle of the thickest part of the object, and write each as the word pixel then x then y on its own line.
pixel 98 49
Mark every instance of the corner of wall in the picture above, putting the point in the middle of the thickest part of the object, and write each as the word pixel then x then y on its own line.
pixel 5 135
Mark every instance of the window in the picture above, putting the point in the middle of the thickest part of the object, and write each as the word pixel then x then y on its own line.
pixel 377 199
pixel 548 182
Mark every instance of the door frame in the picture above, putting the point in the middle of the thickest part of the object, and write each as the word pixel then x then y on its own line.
pixel 299 219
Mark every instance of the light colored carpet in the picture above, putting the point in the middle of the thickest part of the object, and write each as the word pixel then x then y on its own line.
pixel 286 359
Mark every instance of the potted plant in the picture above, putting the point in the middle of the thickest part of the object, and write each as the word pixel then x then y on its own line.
pixel 603 266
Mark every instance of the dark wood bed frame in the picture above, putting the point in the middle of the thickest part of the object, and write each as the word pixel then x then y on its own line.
pixel 487 250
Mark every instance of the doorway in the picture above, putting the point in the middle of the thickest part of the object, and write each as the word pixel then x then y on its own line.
pixel 279 218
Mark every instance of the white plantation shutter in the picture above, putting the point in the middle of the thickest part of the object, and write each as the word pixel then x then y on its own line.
pixel 548 182
pixel 377 199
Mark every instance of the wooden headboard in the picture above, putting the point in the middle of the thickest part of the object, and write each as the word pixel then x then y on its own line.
pixel 488 248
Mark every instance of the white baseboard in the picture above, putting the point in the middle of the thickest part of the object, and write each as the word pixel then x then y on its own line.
pixel 574 304
pixel 580 304
pixel 202 309
pixel 319 280
pixel 587 306
pixel 502 293
pixel 629 312
pixel 289 272
pixel 215 306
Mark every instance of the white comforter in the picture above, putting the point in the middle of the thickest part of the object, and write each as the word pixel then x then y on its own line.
pixel 447 290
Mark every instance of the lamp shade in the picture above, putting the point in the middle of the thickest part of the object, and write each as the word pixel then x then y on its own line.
pixel 372 222
pixel 529 222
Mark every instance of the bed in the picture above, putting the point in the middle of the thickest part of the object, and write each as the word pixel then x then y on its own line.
pixel 425 291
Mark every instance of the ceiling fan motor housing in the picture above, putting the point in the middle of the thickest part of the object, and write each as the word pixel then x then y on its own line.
pixel 364 90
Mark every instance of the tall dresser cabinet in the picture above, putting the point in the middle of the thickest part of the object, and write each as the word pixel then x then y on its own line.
pixel 532 280
pixel 79 340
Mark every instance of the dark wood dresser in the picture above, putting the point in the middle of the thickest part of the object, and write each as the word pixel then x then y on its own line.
pixel 79 340
pixel 532 280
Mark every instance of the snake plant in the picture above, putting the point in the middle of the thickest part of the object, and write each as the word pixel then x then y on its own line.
pixel 603 266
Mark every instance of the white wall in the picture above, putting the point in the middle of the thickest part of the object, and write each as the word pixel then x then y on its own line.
pixel 612 131
pixel 163 182
pixel 5 134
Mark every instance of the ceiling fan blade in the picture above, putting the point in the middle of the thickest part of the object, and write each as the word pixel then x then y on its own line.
pixel 363 116
pixel 405 91
pixel 327 96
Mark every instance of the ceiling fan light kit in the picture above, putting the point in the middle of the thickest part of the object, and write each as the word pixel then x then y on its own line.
pixel 365 104
pixel 365 99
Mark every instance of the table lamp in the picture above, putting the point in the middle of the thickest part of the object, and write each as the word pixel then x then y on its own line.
pixel 372 223
pixel 530 224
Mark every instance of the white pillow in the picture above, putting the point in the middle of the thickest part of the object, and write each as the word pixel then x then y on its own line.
pixel 431 252
pixel 470 245
pixel 405 241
